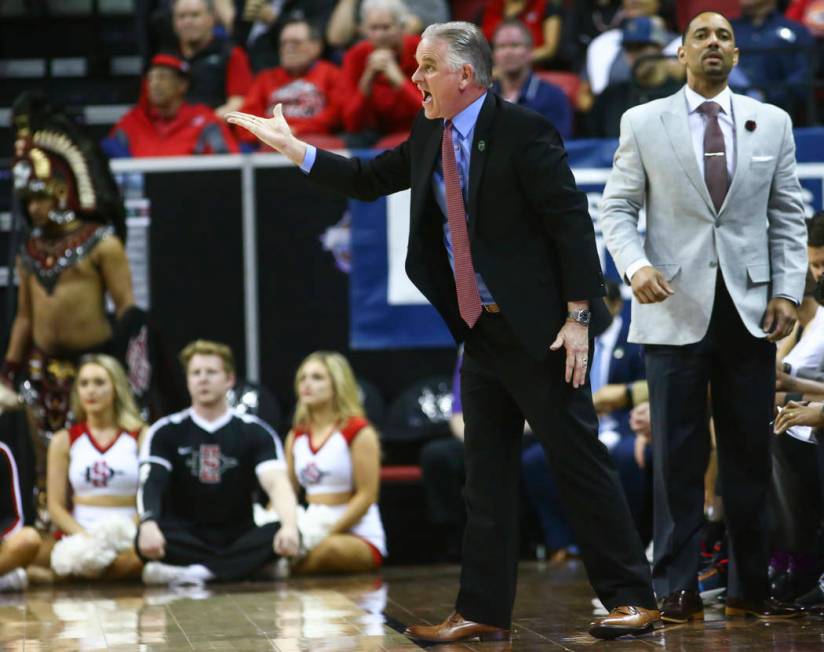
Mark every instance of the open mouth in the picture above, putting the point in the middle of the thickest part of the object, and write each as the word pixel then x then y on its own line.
pixel 427 96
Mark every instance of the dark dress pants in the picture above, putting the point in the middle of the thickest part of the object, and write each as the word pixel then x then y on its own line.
pixel 740 369
pixel 231 554
pixel 795 499
pixel 442 464
pixel 501 384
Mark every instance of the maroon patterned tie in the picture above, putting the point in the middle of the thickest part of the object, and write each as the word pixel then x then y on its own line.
pixel 469 301
pixel 715 155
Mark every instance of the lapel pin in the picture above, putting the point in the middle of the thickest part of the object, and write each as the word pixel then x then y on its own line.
pixel 750 125
pixel 481 145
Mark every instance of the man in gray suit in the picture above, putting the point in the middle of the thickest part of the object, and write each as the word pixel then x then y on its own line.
pixel 716 281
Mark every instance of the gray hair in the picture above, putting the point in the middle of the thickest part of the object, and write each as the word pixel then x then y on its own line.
pixel 466 44
pixel 395 7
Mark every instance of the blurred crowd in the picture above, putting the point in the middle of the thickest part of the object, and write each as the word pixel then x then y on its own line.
pixel 341 70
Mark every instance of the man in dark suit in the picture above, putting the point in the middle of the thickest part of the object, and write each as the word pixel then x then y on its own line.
pixel 617 382
pixel 502 245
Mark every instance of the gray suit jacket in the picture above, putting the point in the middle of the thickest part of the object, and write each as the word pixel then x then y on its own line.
pixel 758 237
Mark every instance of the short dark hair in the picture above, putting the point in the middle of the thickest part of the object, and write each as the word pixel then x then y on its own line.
pixel 513 22
pixel 297 18
pixel 815 230
pixel 694 16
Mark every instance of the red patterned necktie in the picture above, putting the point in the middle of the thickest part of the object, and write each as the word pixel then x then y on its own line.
pixel 469 301
pixel 715 155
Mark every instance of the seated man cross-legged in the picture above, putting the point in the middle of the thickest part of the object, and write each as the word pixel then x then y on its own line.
pixel 199 470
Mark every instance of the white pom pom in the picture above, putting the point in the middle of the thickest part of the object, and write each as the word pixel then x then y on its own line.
pixel 82 555
pixel 116 532
pixel 88 554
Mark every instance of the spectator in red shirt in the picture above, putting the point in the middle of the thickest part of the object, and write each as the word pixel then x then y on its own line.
pixel 809 13
pixel 380 96
pixel 541 17
pixel 220 75
pixel 308 89
pixel 164 124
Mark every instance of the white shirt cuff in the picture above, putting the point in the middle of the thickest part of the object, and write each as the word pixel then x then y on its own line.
pixel 309 159
pixel 788 298
pixel 634 267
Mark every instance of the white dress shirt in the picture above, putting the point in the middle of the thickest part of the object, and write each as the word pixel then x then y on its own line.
pixel 697 123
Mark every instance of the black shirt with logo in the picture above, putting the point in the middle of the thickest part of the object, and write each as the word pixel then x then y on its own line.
pixel 205 473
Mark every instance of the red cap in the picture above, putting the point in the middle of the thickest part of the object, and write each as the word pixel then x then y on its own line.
pixel 170 61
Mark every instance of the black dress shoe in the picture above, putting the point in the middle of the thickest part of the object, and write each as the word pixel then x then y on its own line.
pixel 812 600
pixel 768 609
pixel 682 606
pixel 788 585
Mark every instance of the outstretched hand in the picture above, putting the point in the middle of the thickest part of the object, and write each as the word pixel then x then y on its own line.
pixel 274 131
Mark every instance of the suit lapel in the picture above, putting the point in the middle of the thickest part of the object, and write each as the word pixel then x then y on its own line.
pixel 478 155
pixel 743 147
pixel 677 128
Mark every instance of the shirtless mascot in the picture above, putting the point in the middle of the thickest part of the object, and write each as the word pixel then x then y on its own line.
pixel 71 257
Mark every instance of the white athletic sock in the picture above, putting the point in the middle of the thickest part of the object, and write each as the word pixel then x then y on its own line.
pixel 200 572
pixel 15 580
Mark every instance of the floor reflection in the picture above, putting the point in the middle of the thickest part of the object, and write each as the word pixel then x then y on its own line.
pixel 365 613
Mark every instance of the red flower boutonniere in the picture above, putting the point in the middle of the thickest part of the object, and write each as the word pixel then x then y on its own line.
pixel 750 125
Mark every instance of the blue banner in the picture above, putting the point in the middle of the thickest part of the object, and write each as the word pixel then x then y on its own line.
pixel 387 311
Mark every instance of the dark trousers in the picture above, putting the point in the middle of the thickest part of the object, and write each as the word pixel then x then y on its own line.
pixel 230 556
pixel 740 369
pixel 795 498
pixel 442 464
pixel 501 384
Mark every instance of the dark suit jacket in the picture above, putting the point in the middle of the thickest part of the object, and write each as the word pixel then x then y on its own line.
pixel 531 235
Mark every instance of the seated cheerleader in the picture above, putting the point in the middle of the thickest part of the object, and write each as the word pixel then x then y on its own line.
pixel 92 476
pixel 334 454
pixel 18 543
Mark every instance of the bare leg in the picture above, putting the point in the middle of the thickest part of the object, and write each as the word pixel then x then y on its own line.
pixel 43 557
pixel 42 575
pixel 126 566
pixel 338 553
pixel 19 549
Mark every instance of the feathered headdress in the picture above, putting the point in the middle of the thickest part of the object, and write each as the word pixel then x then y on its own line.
pixel 54 157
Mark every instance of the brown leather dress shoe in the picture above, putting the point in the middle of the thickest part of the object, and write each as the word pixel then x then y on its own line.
pixel 625 620
pixel 457 628
pixel 769 609
pixel 681 606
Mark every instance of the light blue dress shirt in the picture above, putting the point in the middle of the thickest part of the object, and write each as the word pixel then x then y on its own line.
pixel 463 130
